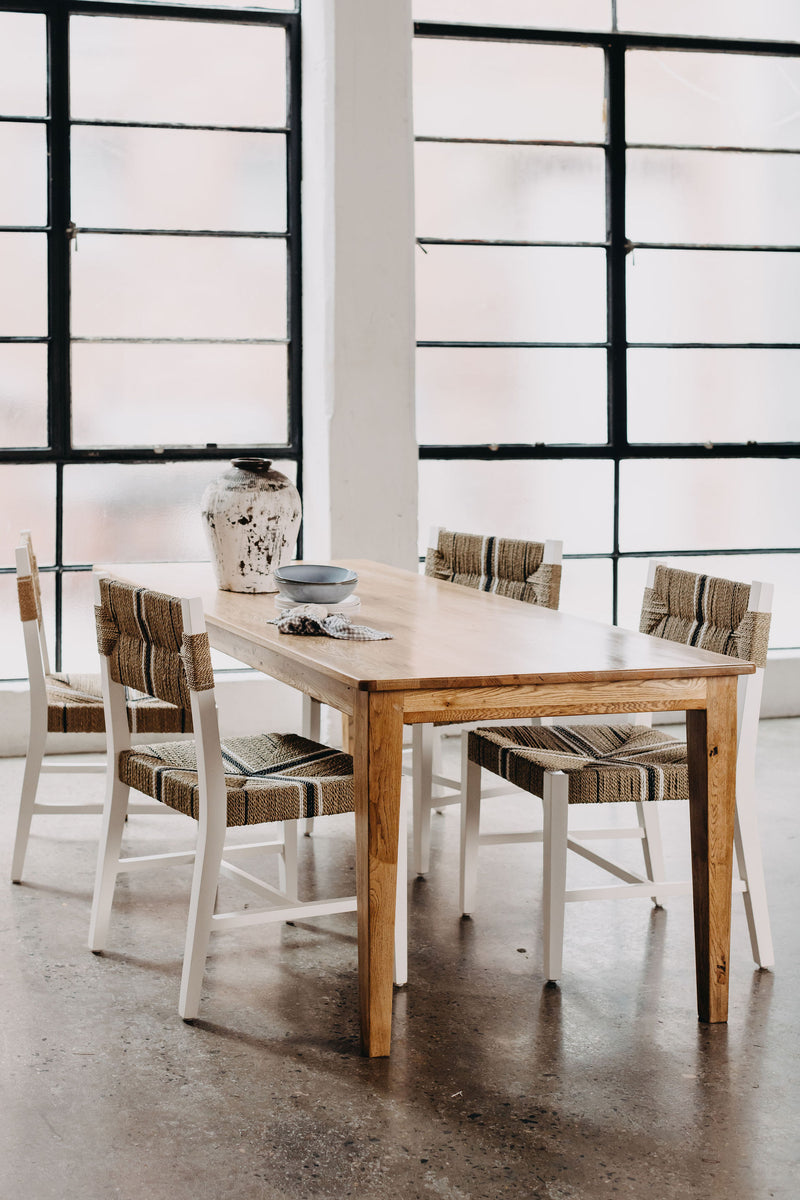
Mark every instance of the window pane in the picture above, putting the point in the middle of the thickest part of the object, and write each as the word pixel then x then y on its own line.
pixel 508 90
pixel 23 191
pixel 173 395
pixel 713 296
pixel 712 99
pixel 138 512
pixel 23 284
pixel 179 287
pixel 485 396
pixel 782 570
pixel 778 20
pixel 527 193
pixel 541 14
pixel 511 294
pixel 132 69
pixel 12 655
pixel 28 501
pixel 23 395
pixel 692 196
pixel 586 589
pixel 713 396
pixel 23 65
pixel 178 179
pixel 535 500
pixel 715 505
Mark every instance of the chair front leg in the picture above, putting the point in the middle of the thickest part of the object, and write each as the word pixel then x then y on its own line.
pixel 30 782
pixel 208 857
pixel 115 811
pixel 651 844
pixel 287 860
pixel 555 803
pixel 751 869
pixel 422 790
pixel 470 827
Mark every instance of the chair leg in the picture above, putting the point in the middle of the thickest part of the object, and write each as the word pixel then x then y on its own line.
pixel 114 813
pixel 470 828
pixel 210 844
pixel 312 724
pixel 422 785
pixel 555 803
pixel 27 800
pixel 651 844
pixel 287 860
pixel 751 869
pixel 401 901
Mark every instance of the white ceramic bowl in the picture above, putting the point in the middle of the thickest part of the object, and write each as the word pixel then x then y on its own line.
pixel 313 583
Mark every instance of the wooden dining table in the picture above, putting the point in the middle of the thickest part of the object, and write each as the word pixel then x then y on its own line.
pixel 459 655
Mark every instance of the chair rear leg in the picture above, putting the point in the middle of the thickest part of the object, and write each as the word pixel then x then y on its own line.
pixel 210 844
pixel 651 844
pixel 114 813
pixel 751 869
pixel 422 789
pixel 287 860
pixel 27 800
pixel 555 803
pixel 312 724
pixel 470 828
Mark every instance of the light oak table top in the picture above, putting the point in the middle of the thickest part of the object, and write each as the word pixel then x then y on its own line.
pixel 460 655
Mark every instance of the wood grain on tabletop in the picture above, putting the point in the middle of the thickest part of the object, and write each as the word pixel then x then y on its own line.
pixel 442 634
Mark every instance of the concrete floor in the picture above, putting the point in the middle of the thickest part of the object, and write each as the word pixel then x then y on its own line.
pixel 604 1087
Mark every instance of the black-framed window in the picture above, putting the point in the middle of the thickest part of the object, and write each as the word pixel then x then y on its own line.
pixel 608 285
pixel 149 280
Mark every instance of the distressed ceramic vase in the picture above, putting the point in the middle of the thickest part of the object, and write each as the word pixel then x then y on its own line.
pixel 251 516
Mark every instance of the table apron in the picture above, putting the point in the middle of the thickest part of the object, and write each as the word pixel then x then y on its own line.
pixel 297 675
pixel 573 698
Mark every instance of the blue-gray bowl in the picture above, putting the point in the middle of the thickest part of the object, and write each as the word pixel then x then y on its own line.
pixel 313 583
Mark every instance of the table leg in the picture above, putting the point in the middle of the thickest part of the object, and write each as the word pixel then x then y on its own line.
pixel 378 720
pixel 711 743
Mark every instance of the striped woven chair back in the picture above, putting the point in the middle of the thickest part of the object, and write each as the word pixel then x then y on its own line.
pixel 490 564
pixel 704 611
pixel 141 634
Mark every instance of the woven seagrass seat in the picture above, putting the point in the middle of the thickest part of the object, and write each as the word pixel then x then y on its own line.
pixel 63 703
pixel 157 644
pixel 525 571
pixel 631 762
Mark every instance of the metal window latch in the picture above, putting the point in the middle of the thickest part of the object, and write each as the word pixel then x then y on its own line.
pixel 72 234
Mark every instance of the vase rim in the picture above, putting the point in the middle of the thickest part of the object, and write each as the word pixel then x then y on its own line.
pixel 259 465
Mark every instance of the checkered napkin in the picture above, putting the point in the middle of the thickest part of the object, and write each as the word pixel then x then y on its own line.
pixel 313 621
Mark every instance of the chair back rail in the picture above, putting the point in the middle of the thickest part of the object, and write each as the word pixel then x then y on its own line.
pixel 522 570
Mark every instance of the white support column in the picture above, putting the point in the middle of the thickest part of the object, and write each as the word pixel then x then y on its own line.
pixel 360 449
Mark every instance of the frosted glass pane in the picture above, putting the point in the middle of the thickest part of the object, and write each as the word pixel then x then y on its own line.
pixel 78 636
pixel 778 20
pixel 782 570
pixel 693 196
pixel 541 14
pixel 23 395
pixel 28 501
pixel 23 65
pixel 713 296
pixel 23 181
pixel 282 5
pixel 128 286
pixel 572 501
pixel 503 395
pixel 527 193
pixel 511 294
pixel 23 284
pixel 508 90
pixel 12 646
pixel 197 73
pixel 586 589
pixel 717 505
pixel 172 395
pixel 713 396
pixel 712 99
pixel 138 512
pixel 178 179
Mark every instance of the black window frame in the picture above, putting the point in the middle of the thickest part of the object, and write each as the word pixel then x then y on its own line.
pixel 617 449
pixel 61 231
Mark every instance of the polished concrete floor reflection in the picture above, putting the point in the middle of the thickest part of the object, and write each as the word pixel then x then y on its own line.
pixel 606 1086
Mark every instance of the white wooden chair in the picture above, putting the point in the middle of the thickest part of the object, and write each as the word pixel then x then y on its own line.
pixel 158 644
pixel 566 765
pixel 65 704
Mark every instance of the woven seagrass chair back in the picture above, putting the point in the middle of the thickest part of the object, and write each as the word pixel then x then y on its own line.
pixel 141 634
pixel 704 611
pixel 528 571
